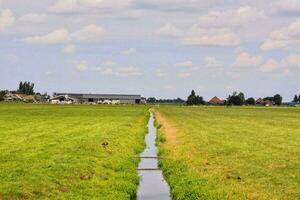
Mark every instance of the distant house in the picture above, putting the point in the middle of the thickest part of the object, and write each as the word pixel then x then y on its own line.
pixel 19 97
pixel 62 99
pixel 96 98
pixel 216 101
pixel 261 102
pixel 11 97
pixel 41 98
pixel 28 98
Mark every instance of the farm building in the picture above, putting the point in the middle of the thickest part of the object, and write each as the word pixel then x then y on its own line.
pixel 261 102
pixel 216 101
pixel 19 97
pixel 63 99
pixel 96 98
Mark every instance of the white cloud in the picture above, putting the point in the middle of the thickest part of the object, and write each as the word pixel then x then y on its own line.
pixel 169 30
pixel 82 66
pixel 292 61
pixel 33 18
pixel 105 4
pixel 187 63
pixel 285 38
pixel 69 49
pixel 107 68
pixel 7 19
pixel 270 66
pixel 129 51
pixel 109 64
pixel 286 6
pixel 77 6
pixel 212 62
pixel 90 33
pixel 92 3
pixel 289 63
pixel 128 71
pixel 235 17
pixel 55 37
pixel 211 37
pixel 184 74
pixel 160 73
pixel 173 5
pixel 168 87
pixel 110 68
pixel 65 6
pixel 225 27
pixel 244 59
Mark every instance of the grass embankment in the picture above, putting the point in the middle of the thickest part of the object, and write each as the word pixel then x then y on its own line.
pixel 59 152
pixel 230 153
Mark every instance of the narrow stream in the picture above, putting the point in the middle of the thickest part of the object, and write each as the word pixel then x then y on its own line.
pixel 152 184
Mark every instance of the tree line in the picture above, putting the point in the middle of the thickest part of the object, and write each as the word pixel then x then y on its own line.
pixel 26 88
pixel 296 99
pixel 237 98
pixel 175 101
pixel 194 99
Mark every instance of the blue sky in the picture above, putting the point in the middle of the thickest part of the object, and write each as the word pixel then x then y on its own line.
pixel 152 47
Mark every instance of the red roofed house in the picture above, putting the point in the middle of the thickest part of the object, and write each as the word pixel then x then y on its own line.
pixel 216 101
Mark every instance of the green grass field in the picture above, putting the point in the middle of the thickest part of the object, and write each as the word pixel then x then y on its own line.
pixel 230 153
pixel 56 152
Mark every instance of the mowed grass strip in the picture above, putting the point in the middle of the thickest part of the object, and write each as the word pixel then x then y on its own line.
pixel 230 153
pixel 70 152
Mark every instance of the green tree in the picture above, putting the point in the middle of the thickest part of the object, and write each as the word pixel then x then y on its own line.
pixel 192 99
pixel 250 101
pixel 2 94
pixel 199 100
pixel 26 88
pixel 296 99
pixel 236 99
pixel 269 99
pixel 20 86
pixel 151 100
pixel 277 99
pixel 242 97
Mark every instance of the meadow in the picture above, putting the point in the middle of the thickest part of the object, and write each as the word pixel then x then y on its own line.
pixel 70 152
pixel 230 152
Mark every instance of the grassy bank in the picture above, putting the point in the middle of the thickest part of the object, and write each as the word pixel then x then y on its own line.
pixel 70 152
pixel 230 153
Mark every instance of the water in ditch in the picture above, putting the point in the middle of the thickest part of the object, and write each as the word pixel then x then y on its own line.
pixel 152 183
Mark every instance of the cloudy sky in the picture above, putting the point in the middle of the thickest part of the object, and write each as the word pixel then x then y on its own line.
pixel 162 48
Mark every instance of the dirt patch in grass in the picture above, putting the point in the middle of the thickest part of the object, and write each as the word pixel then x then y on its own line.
pixel 168 129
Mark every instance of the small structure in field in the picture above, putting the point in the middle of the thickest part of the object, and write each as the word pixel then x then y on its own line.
pixel 261 102
pixel 216 101
pixel 11 97
pixel 19 97
pixel 62 99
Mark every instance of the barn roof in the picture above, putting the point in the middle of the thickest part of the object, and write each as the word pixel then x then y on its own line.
pixel 66 97
pixel 102 96
pixel 215 100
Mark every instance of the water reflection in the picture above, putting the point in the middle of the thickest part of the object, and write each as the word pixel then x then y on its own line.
pixel 152 184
